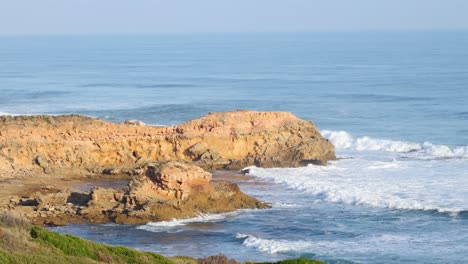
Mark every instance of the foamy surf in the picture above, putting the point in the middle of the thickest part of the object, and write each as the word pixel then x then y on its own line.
pixel 6 114
pixel 345 141
pixel 201 218
pixel 389 243
pixel 285 205
pixel 271 246
pixel 437 185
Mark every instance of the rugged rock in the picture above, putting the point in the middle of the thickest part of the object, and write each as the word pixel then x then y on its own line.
pixel 228 140
pixel 160 191
pixel 168 180
pixel 167 164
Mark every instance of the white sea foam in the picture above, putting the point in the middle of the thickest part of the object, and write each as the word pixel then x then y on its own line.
pixel 344 140
pixel 25 114
pixel 285 205
pixel 6 114
pixel 273 246
pixel 434 185
pixel 326 247
pixel 201 218
pixel 158 125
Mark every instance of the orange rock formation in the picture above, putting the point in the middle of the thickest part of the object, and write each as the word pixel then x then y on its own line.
pixel 227 140
pixel 167 163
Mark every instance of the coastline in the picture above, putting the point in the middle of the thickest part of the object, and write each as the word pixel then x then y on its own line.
pixel 393 104
pixel 46 178
pixel 47 247
pixel 168 167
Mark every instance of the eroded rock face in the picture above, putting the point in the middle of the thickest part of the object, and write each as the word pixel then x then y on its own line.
pixel 159 191
pixel 168 163
pixel 228 140
pixel 168 180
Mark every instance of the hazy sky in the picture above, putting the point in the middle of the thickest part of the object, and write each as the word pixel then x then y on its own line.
pixel 110 16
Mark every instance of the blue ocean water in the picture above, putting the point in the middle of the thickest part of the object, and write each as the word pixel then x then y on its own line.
pixel 395 104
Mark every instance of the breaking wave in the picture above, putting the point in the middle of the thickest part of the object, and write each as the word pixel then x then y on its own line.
pixel 6 114
pixel 392 184
pixel 201 218
pixel 344 140
pixel 334 248
pixel 273 246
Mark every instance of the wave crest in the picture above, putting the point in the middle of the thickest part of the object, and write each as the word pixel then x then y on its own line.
pixel 344 140
pixel 201 218
pixel 6 114
pixel 402 185
pixel 273 246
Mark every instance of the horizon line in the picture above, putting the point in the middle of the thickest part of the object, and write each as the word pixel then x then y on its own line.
pixel 109 33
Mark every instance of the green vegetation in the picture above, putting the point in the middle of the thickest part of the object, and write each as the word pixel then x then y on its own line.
pixel 25 244
pixel 47 120
pixel 74 246
pixel 22 243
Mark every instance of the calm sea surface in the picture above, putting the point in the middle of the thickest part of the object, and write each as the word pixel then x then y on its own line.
pixel 394 104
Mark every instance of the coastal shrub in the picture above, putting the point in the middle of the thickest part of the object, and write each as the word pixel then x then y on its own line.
pixel 183 260
pixel 47 120
pixel 217 259
pixel 296 261
pixel 14 233
pixel 13 221
pixel 103 257
pixel 14 240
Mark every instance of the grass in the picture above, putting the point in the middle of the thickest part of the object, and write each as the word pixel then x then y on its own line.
pixel 74 246
pixel 22 243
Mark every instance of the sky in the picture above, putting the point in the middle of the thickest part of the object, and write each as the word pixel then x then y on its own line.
pixel 24 17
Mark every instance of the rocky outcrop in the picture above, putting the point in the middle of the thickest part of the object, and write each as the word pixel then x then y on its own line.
pixel 167 164
pixel 159 191
pixel 168 180
pixel 229 140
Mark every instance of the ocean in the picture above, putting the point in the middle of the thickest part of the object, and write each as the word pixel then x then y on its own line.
pixel 395 104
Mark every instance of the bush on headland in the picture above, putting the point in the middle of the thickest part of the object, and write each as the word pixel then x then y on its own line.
pixel 296 261
pixel 20 242
pixel 222 259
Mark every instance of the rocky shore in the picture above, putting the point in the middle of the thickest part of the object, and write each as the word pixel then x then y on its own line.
pixel 41 156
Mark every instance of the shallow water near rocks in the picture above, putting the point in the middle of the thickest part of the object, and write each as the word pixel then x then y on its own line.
pixel 104 183
pixel 394 104
pixel 302 223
